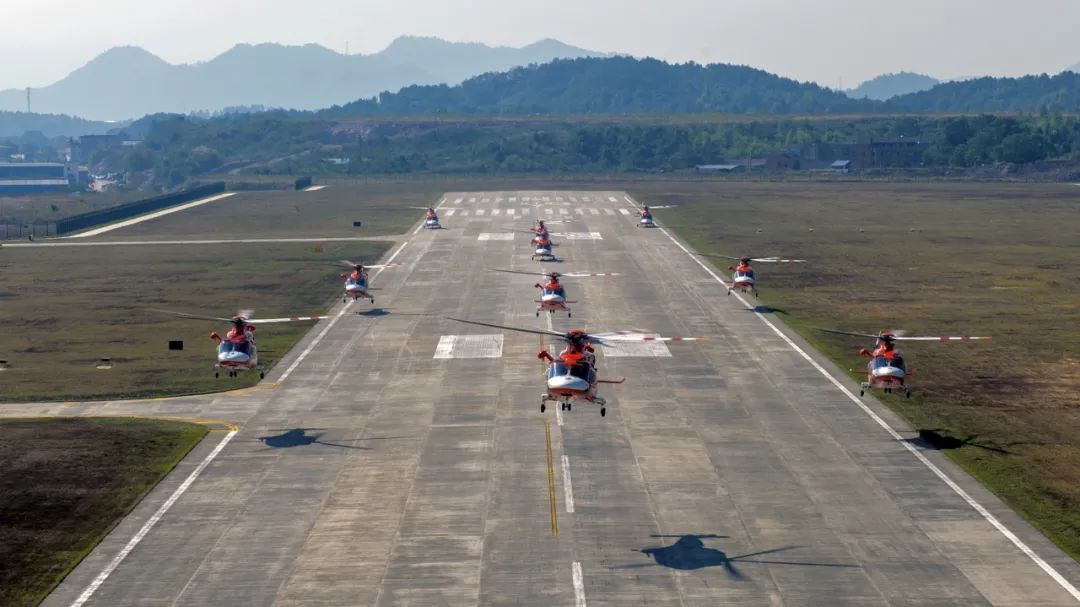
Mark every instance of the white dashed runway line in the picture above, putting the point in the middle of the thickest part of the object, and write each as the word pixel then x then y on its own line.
pixel 495 236
pixel 469 346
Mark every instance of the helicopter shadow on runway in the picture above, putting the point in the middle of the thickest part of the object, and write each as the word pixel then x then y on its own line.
pixel 299 437
pixel 934 439
pixel 689 553
pixel 759 309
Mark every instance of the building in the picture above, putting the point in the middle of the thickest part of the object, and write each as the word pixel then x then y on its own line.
pixel 720 168
pixel 18 178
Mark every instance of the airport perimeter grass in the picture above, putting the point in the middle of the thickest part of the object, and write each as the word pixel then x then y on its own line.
pixel 66 482
pixel 933 259
pixel 65 308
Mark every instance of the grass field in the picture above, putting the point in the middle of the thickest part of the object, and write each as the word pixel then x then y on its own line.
pixel 64 483
pixel 933 259
pixel 65 308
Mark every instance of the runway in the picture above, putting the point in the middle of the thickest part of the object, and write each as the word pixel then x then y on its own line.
pixel 398 458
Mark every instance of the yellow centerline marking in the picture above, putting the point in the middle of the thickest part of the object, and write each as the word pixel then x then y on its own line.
pixel 551 482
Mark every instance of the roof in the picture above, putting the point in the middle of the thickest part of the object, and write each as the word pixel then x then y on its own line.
pixel 32 165
pixel 840 164
pixel 718 167
pixel 32 182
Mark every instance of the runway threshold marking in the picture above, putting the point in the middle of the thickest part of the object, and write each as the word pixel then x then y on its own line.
pixel 964 495
pixel 134 541
pixel 551 481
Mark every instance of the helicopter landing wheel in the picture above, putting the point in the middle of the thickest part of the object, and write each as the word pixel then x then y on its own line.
pixel 729 292
pixel 861 392
pixel 569 406
pixel 538 313
pixel 603 411
pixel 216 374
pixel 543 407
pixel 907 394
pixel 262 375
pixel 569 314
pixel 372 300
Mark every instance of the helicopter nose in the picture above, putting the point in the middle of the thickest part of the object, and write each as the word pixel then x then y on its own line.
pixel 568 383
pixel 233 357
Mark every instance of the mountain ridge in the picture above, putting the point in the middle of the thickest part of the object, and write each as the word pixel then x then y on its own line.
pixel 115 85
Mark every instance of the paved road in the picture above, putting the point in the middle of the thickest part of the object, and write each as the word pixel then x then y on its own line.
pixel 728 471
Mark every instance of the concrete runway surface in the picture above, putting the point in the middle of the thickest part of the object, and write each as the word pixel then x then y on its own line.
pixel 367 470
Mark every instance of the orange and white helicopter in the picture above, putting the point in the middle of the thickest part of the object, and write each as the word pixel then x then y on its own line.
pixel 542 248
pixel 742 275
pixel 645 218
pixel 237 351
pixel 571 376
pixel 552 292
pixel 356 282
pixel 431 218
pixel 886 369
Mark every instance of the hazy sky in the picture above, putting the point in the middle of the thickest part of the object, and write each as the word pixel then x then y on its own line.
pixel 820 40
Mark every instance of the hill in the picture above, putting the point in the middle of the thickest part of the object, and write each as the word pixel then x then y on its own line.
pixel 613 85
pixel 127 82
pixel 1060 93
pixel 887 86
pixel 14 124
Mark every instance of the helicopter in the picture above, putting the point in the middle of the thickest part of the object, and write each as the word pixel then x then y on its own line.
pixel 237 351
pixel 646 219
pixel 431 218
pixel 356 282
pixel 571 376
pixel 552 293
pixel 542 248
pixel 886 369
pixel 742 277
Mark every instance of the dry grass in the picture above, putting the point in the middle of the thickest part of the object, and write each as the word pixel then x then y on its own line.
pixel 64 484
pixel 948 258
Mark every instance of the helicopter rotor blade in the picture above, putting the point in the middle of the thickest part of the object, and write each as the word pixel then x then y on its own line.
pixel 718 256
pixel 853 333
pixel 776 260
pixel 507 327
pixel 262 321
pixel 520 272
pixel 941 338
pixel 194 316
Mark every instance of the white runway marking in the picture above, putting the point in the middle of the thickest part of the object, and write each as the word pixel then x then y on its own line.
pixel 485 200
pixel 314 188
pixel 609 211
pixel 473 199
pixel 511 211
pixel 573 199
pixel 579 585
pixel 594 211
pixel 138 537
pixel 579 211
pixel 495 211
pixel 563 212
pixel 579 235
pixel 513 199
pixel 479 211
pixel 498 199
pixel 450 212
pixel 568 488
pixel 458 200
pixel 970 501
pixel 558 416
pixel 637 349
pixel 557 199
pixel 154 215
pixel 612 199
pixel 624 211
pixel 469 346
pixel 495 236
pixel 549 211
pixel 525 198
pixel 586 199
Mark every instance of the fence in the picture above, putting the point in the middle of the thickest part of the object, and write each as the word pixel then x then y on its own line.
pixel 23 231
pixel 94 218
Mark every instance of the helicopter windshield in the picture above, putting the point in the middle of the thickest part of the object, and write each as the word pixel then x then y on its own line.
pixel 880 362
pixel 579 370
pixel 749 274
pixel 242 347
pixel 558 291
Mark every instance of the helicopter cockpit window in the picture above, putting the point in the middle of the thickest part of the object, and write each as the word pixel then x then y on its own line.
pixel 581 371
pixel 557 369
pixel 749 274
pixel 548 291
pixel 881 361
pixel 242 347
